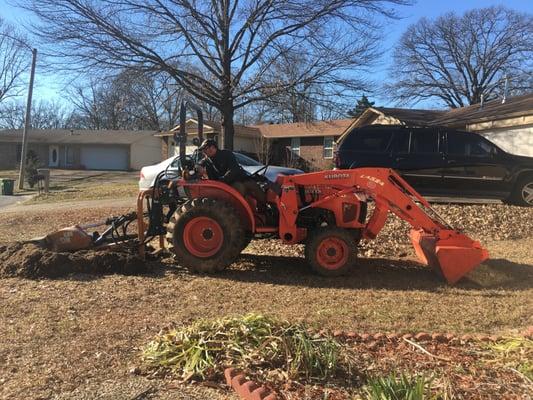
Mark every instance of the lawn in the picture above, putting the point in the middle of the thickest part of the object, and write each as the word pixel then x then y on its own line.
pixel 79 185
pixel 87 191
pixel 82 335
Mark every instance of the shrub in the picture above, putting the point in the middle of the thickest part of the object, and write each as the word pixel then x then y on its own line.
pixel 251 341
pixel 30 169
pixel 398 387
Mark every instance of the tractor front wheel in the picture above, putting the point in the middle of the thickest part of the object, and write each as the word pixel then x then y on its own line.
pixel 331 251
pixel 205 235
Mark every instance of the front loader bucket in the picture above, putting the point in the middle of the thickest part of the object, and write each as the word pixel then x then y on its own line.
pixel 451 254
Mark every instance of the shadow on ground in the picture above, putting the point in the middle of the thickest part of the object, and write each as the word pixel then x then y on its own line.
pixel 30 261
pixel 378 273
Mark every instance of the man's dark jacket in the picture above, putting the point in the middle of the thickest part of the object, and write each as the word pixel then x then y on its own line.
pixel 223 166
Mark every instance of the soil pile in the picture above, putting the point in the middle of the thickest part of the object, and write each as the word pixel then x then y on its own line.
pixel 30 261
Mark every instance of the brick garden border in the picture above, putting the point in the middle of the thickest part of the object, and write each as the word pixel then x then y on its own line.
pixel 249 390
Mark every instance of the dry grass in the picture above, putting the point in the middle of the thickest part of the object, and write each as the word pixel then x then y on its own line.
pixel 92 191
pixel 79 337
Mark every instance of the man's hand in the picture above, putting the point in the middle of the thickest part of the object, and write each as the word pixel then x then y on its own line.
pixel 202 172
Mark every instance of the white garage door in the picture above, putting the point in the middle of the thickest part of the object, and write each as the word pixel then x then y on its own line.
pixel 108 157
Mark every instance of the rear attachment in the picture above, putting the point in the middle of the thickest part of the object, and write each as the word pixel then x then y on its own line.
pixel 76 237
pixel 449 253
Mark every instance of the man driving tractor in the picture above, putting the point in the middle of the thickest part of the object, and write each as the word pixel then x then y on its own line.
pixel 221 165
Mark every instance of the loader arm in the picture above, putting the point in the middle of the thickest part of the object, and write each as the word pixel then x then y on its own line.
pixel 436 243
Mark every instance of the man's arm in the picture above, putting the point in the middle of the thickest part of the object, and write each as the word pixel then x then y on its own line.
pixel 234 171
pixel 208 167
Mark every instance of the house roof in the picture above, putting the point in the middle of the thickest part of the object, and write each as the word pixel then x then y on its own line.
pixel 58 136
pixel 210 127
pixel 515 106
pixel 411 116
pixel 301 129
pixel 298 129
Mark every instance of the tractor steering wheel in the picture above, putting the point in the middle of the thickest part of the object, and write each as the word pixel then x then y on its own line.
pixel 186 161
pixel 261 170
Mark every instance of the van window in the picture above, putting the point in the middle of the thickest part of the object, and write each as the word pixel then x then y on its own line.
pixel 424 141
pixel 468 144
pixel 373 141
pixel 403 138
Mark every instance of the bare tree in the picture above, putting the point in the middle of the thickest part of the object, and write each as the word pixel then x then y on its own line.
pixel 233 43
pixel 45 115
pixel 263 149
pixel 458 59
pixel 130 100
pixel 308 96
pixel 14 60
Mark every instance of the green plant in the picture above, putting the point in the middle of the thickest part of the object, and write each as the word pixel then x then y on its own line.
pixel 32 163
pixel 514 345
pixel 398 387
pixel 515 353
pixel 250 341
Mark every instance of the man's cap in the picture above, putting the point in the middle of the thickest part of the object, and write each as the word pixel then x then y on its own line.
pixel 206 143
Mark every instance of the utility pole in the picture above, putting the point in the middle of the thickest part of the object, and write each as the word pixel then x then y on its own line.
pixel 27 121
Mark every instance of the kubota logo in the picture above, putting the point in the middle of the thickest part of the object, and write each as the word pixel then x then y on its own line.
pixel 336 176
pixel 374 179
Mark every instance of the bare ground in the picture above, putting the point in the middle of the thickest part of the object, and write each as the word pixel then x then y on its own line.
pixel 79 337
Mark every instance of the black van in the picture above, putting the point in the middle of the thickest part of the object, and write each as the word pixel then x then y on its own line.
pixel 441 161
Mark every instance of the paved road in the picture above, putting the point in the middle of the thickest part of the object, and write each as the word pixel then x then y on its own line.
pixel 128 204
pixel 10 200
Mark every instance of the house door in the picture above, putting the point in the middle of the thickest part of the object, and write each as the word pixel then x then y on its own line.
pixel 53 156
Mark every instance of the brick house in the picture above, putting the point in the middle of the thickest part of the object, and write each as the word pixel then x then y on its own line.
pixel 306 145
pixel 82 149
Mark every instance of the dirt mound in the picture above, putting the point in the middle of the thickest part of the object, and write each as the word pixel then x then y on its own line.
pixel 30 261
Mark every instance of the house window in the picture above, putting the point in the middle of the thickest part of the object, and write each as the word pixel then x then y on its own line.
pixel 328 147
pixel 19 152
pixel 295 145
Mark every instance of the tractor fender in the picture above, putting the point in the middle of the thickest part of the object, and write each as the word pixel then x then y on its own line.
pixel 222 191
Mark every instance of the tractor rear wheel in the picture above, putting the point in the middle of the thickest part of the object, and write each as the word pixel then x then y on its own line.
pixel 247 238
pixel 205 235
pixel 331 251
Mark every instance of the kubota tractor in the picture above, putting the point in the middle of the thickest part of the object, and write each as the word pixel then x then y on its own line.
pixel 208 223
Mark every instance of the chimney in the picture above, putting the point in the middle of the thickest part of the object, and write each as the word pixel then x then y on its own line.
pixel 481 104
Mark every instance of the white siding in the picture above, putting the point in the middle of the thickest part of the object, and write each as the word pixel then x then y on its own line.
pixel 247 144
pixel 513 140
pixel 146 151
pixel 240 143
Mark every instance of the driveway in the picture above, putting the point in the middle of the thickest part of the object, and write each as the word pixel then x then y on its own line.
pixel 10 200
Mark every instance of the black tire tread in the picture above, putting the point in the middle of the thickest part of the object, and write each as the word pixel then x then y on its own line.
pixel 230 222
pixel 516 196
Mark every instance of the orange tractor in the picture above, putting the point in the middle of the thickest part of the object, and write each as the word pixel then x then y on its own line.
pixel 208 223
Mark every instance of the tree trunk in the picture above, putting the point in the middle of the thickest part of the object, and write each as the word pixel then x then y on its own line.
pixel 228 129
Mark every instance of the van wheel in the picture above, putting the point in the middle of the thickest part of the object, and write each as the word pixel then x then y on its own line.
pixel 523 192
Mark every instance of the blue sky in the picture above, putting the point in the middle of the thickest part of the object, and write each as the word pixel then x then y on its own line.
pixel 47 89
